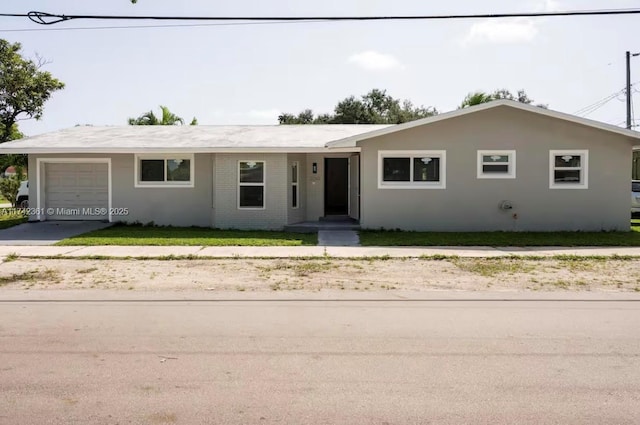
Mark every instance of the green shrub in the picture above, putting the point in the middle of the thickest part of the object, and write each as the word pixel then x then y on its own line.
pixel 9 188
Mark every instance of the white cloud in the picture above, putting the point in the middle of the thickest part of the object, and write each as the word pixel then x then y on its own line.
pixel 371 60
pixel 502 31
pixel 510 31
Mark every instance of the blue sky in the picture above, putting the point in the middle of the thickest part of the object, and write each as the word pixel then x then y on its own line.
pixel 249 74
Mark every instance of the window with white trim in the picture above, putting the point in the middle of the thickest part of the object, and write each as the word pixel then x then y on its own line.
pixel 494 164
pixel 411 169
pixel 251 182
pixel 164 170
pixel 294 184
pixel 568 169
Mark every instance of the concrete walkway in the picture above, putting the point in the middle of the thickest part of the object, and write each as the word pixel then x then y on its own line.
pixel 338 238
pixel 303 251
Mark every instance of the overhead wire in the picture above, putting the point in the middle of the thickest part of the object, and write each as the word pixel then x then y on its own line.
pixel 589 109
pixel 45 18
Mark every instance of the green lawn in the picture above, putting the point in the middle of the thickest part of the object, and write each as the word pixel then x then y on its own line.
pixel 188 236
pixel 9 217
pixel 396 238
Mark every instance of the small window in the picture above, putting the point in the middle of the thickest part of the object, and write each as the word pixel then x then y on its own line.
pixel 294 184
pixel 496 164
pixel 568 169
pixel 251 181
pixel 164 171
pixel 411 169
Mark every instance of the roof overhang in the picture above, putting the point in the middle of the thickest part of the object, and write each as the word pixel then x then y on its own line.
pixel 110 151
pixel 353 140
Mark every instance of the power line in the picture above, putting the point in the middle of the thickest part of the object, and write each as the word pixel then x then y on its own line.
pixel 45 18
pixel 597 105
pixel 588 110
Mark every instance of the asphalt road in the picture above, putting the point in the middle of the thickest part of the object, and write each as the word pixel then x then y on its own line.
pixel 320 362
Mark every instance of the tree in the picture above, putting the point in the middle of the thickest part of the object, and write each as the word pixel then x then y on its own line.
pixel 479 97
pixel 375 107
pixel 476 98
pixel 167 118
pixel 24 89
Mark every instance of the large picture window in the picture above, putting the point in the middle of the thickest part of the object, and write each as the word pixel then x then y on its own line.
pixel 411 169
pixel 496 164
pixel 568 169
pixel 164 170
pixel 251 182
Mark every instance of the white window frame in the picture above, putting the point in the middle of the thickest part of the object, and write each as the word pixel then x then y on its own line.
pixel 295 184
pixel 511 164
pixel 584 169
pixel 441 154
pixel 164 156
pixel 263 184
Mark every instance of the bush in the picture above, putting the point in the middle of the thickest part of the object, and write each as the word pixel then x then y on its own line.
pixel 9 188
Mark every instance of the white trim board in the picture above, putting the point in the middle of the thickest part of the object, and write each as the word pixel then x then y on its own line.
pixel 584 169
pixel 412 185
pixel 167 156
pixel 263 185
pixel 510 153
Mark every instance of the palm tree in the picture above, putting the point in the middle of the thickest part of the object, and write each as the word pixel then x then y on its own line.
pixel 149 118
pixel 476 98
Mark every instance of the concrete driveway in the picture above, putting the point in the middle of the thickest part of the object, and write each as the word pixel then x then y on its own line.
pixel 47 232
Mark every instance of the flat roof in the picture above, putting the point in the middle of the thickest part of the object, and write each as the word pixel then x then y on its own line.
pixel 152 138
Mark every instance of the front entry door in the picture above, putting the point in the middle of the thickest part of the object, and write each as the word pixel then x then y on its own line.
pixel 336 186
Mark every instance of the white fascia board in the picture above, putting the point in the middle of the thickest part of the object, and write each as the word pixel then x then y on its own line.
pixel 88 150
pixel 351 141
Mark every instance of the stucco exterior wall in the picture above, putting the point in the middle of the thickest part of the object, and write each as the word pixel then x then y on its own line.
pixel 228 215
pixel 315 187
pixel 472 204
pixel 315 183
pixel 177 206
pixel 297 215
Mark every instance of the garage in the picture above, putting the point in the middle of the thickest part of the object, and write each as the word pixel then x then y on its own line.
pixel 76 191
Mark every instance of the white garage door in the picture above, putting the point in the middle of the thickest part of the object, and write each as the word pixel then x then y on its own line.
pixel 76 191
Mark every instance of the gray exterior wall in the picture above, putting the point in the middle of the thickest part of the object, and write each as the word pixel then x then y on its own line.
pixel 177 206
pixel 297 215
pixel 212 202
pixel 315 184
pixel 228 215
pixel 472 204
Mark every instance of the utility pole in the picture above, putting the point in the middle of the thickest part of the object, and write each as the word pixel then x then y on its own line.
pixel 629 90
pixel 629 55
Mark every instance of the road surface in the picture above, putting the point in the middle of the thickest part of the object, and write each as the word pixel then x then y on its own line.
pixel 320 362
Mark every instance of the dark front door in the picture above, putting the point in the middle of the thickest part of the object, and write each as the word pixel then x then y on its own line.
pixel 336 186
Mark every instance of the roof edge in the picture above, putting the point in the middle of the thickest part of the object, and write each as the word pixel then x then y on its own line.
pixel 352 140
pixel 133 150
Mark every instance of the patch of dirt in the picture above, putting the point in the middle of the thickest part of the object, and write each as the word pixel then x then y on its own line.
pixel 469 274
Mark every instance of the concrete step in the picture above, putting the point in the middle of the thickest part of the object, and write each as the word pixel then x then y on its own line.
pixel 315 226
pixel 338 238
